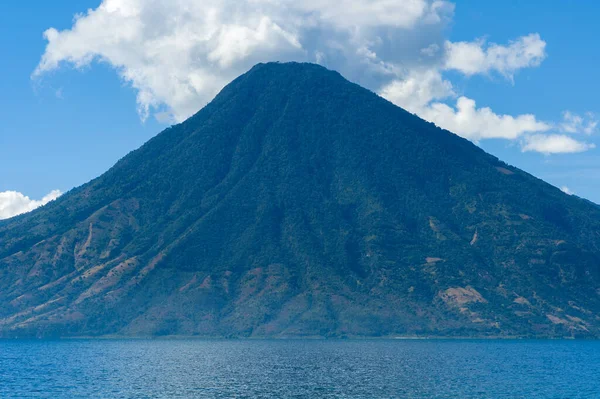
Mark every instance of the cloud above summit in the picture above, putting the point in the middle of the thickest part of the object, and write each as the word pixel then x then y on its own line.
pixel 177 55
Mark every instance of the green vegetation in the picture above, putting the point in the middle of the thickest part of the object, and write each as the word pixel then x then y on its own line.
pixel 299 204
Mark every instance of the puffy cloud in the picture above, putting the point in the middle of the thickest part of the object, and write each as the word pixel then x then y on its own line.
pixel 418 88
pixel 573 123
pixel 477 57
pixel 426 93
pixel 554 144
pixel 13 203
pixel 481 123
pixel 180 53
pixel 431 51
pixel 419 93
pixel 359 13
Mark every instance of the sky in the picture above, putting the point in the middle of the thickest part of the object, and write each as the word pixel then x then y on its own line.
pixel 85 82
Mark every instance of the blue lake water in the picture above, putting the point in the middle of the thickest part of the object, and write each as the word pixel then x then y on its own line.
pixel 299 369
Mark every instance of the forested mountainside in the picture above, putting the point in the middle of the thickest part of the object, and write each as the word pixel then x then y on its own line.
pixel 298 204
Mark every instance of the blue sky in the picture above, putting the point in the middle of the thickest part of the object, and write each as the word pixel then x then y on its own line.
pixel 82 110
pixel 58 142
pixel 566 79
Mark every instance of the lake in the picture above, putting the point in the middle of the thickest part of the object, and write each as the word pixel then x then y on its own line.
pixel 299 369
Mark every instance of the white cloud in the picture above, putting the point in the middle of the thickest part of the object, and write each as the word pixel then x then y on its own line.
pixel 554 144
pixel 574 123
pixel 481 123
pixel 478 57
pixel 13 203
pixel 420 91
pixel 566 190
pixel 425 92
pixel 178 54
pixel 359 13
pixel 431 51
pixel 417 89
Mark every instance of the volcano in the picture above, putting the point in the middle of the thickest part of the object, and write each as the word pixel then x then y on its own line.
pixel 298 204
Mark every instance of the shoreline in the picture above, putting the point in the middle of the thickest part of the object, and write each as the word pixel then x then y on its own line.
pixel 291 338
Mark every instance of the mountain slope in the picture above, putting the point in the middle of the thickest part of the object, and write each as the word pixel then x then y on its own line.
pixel 299 204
